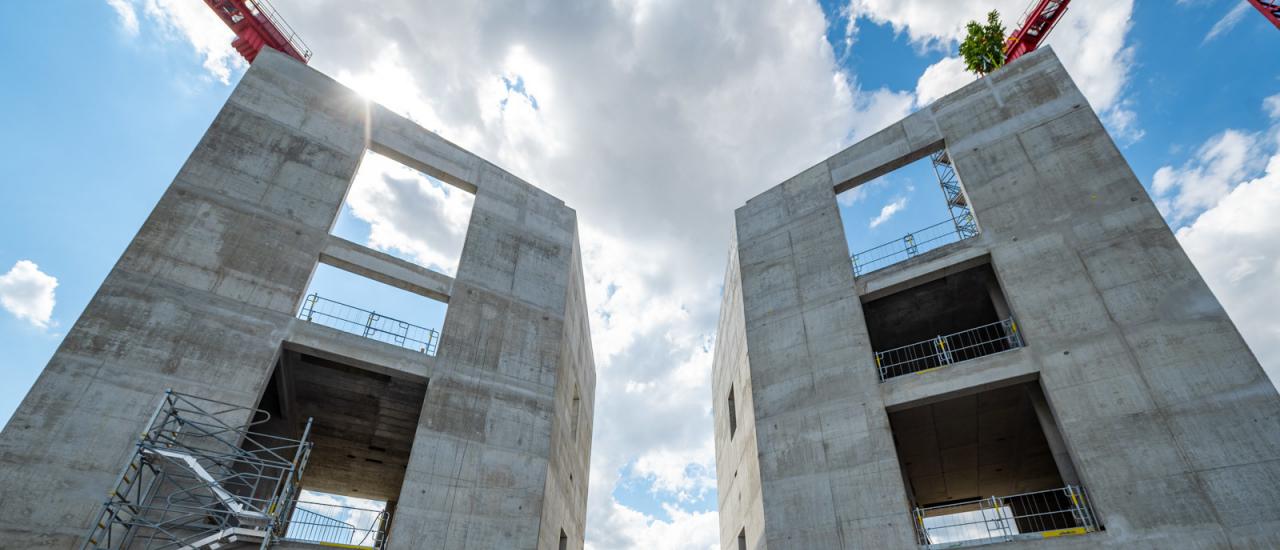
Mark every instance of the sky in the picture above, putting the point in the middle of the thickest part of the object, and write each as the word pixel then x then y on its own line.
pixel 654 119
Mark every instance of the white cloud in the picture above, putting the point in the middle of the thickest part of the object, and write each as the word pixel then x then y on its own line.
pixel 410 213
pixel 197 25
pixel 1228 21
pixel 888 211
pixel 1230 190
pixel 1089 39
pixel 1235 246
pixel 627 528
pixel 1219 164
pixel 28 293
pixel 1272 106
pixel 942 78
pixel 128 16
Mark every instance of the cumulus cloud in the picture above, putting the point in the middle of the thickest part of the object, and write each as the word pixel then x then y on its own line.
pixel 627 528
pixel 28 293
pixel 1217 166
pixel 1230 200
pixel 410 213
pixel 1234 245
pixel 942 78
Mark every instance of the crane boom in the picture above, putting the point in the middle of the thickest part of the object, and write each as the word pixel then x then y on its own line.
pixel 1270 9
pixel 1036 24
pixel 257 24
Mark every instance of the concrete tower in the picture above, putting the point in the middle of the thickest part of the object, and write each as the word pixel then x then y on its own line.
pixel 483 442
pixel 1057 376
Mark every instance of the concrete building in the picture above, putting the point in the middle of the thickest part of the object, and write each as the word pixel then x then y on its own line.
pixel 477 436
pixel 1059 377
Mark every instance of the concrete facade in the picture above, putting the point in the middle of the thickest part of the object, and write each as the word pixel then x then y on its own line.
pixel 1152 396
pixel 204 301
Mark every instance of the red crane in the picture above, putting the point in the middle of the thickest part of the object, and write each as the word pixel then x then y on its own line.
pixel 1270 9
pixel 257 24
pixel 1036 24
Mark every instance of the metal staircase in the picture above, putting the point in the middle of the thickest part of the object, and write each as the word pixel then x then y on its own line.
pixel 201 478
pixel 957 202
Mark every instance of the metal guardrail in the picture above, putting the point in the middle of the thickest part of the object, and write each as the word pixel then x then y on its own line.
pixel 909 246
pixel 333 524
pixel 369 324
pixel 1037 515
pixel 265 8
pixel 200 475
pixel 941 351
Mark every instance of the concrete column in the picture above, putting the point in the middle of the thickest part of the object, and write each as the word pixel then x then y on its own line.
pixel 1051 434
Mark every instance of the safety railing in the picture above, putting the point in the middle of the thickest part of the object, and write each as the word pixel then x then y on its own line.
pixel 369 324
pixel 944 350
pixel 265 9
pixel 333 524
pixel 1042 514
pixel 909 246
pixel 200 475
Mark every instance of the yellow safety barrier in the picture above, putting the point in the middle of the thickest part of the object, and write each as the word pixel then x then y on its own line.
pixel 1064 532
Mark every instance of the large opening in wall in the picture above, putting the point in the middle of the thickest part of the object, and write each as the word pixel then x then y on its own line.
pixel 404 212
pixel 362 428
pixel 948 319
pixel 351 303
pixel 989 465
pixel 897 216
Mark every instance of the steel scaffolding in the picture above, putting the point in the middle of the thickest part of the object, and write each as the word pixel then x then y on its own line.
pixel 201 477
pixel 957 201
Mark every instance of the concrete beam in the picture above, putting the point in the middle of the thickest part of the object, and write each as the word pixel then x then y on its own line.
pixel 358 351
pixel 387 269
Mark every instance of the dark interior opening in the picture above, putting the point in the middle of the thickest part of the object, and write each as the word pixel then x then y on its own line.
pixel 1001 443
pixel 957 317
pixel 363 425
pixel 733 415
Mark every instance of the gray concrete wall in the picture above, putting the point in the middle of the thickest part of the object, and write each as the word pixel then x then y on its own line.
pixel 737 465
pixel 204 299
pixel 1166 414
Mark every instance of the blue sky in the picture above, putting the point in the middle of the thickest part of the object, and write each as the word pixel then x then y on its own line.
pixel 99 113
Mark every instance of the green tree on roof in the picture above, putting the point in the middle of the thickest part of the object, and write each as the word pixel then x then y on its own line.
pixel 983 45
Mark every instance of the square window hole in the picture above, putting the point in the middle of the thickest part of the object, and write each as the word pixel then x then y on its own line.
pixel 401 211
pixel 905 213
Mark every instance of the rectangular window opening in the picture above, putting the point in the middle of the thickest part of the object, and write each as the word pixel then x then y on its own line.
pixel 404 212
pixel 954 318
pixel 351 303
pixel 362 429
pixel 1006 476
pixel 733 415
pixel 575 411
pixel 917 208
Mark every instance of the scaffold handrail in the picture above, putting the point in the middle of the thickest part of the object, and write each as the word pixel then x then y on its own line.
pixel 328 523
pixel 199 477
pixel 908 246
pixel 370 324
pixel 1032 515
pixel 943 350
